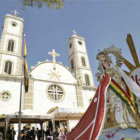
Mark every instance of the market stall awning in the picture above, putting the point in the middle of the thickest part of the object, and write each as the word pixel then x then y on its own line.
pixel 28 116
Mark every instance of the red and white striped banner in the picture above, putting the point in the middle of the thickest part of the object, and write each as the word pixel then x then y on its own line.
pixel 91 124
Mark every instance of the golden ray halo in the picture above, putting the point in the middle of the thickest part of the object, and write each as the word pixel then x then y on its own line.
pixel 134 69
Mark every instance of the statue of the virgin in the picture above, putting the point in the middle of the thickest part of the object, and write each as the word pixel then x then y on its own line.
pixel 122 94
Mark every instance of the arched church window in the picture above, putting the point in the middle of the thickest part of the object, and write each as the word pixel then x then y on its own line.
pixel 70 45
pixel 79 42
pixel 11 45
pixel 72 64
pixel 8 67
pixel 5 96
pixel 87 81
pixel 83 61
pixel 14 24
pixel 55 92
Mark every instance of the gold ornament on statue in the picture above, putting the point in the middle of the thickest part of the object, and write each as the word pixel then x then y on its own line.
pixel 103 57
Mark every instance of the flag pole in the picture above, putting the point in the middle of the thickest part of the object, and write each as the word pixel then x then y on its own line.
pixel 20 104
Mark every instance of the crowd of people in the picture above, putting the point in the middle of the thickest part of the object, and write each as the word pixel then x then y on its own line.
pixel 38 134
pixel 10 134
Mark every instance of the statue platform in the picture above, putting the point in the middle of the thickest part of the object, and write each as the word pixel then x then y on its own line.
pixel 120 134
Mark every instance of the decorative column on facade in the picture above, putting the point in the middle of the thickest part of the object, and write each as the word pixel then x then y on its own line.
pixel 28 97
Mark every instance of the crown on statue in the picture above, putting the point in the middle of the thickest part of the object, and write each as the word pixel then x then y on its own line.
pixel 103 56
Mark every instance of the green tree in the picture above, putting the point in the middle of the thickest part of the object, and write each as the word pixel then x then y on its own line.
pixel 57 4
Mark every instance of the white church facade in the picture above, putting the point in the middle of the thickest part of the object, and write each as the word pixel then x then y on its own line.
pixel 51 84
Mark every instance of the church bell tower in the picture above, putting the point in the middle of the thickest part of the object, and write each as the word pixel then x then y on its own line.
pixel 79 61
pixel 10 45
pixel 80 67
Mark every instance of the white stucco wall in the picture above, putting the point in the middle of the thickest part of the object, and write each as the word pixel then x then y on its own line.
pixel 43 72
pixel 42 101
pixel 87 96
pixel 82 47
pixel 76 47
pixel 43 79
pixel 13 87
pixel 16 30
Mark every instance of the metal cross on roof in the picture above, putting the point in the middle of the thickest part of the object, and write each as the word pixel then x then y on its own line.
pixel 54 54
pixel 74 32
pixel 15 13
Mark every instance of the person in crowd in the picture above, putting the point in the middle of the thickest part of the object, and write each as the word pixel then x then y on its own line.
pixel 48 134
pixel 8 133
pixel 24 133
pixel 55 133
pixel 65 131
pixel 33 133
pixel 39 134
pixel 29 135
pixel 61 135
pixel 12 133
pixel 1 136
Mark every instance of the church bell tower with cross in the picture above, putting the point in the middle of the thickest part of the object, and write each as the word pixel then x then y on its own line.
pixel 79 61
pixel 80 66
pixel 11 45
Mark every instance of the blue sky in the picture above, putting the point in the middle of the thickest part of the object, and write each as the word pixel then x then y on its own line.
pixel 100 22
